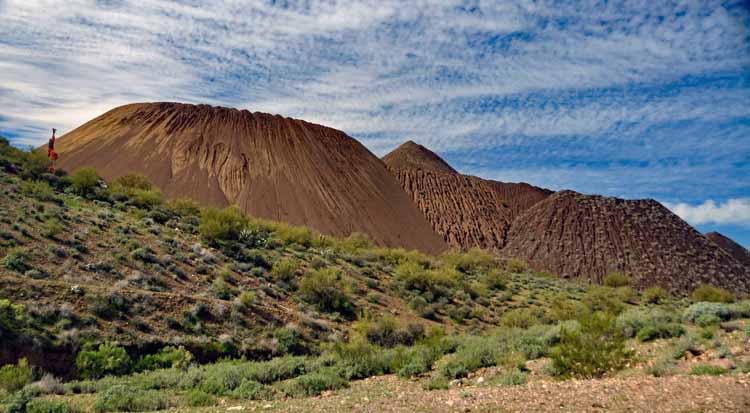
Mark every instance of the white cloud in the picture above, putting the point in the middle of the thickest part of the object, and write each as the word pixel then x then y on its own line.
pixel 734 211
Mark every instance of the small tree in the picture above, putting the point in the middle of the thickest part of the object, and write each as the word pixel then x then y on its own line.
pixel 596 349
pixel 326 289
pixel 107 359
pixel 84 181
pixel 221 225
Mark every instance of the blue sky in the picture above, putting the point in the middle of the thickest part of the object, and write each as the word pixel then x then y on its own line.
pixel 624 98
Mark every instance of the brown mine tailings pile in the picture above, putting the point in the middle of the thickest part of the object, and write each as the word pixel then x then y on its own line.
pixel 467 211
pixel 734 249
pixel 271 166
pixel 577 235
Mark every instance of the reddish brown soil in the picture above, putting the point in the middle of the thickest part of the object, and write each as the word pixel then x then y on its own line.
pixel 577 235
pixel 272 167
pixel 734 249
pixel 467 211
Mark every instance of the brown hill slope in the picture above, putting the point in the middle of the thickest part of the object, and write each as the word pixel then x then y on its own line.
pixel 466 210
pixel 734 249
pixel 272 167
pixel 577 235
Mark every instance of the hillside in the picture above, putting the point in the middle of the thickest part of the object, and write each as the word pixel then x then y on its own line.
pixel 466 210
pixel 270 166
pixel 575 235
pixel 114 299
pixel 734 249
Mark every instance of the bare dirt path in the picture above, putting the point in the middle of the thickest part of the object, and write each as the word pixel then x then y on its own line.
pixel 630 394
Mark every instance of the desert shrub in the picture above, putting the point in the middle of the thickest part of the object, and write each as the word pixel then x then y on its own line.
pixel 52 228
pixel 221 289
pixel 436 382
pixel 198 398
pixel 472 354
pixel 705 313
pixel 40 190
pixel 709 293
pixel 707 369
pixel 252 390
pixel 123 398
pixel 48 406
pixel 387 331
pixel 513 377
pixel 107 359
pixel 654 295
pixel 516 266
pixel 606 299
pixel 562 308
pixel 315 383
pixel 519 318
pixel 472 261
pixel 221 225
pixel 167 357
pixel 662 368
pixel 246 299
pixel 326 289
pixel 648 324
pixel 359 359
pixel 17 259
pixel 432 283
pixel 740 309
pixel 617 279
pixel 284 270
pixel 185 207
pixel 133 181
pixel 290 341
pixel 496 279
pixel 14 376
pixel 354 243
pixel 596 349
pixel 84 181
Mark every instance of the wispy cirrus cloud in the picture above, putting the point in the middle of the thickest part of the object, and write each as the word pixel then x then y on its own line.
pixel 628 98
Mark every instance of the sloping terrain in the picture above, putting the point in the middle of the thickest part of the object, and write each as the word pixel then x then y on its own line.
pixel 577 235
pixel 734 249
pixel 467 211
pixel 272 167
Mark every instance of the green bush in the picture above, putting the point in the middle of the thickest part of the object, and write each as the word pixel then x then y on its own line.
pixel 496 279
pixel 284 270
pixel 14 376
pixel 133 181
pixel 617 279
pixel 562 308
pixel 84 181
pixel 436 382
pixel 52 228
pixel 648 324
pixel 252 390
pixel 17 259
pixel 221 225
pixel 473 261
pixel 360 359
pixel 707 369
pixel 705 313
pixel 47 406
pixel 167 357
pixel 606 299
pixel 290 341
pixel 40 190
pixel 315 383
pixel 123 398
pixel 596 349
pixel 432 283
pixel 472 354
pixel 184 207
pixel 519 318
pixel 107 359
pixel 513 377
pixel 655 295
pixel 246 299
pixel 326 289
pixel 198 398
pixel 516 266
pixel 709 293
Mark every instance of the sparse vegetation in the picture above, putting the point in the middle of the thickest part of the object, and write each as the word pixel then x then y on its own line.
pixel 709 293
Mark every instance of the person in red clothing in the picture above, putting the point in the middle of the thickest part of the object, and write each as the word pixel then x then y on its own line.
pixel 51 154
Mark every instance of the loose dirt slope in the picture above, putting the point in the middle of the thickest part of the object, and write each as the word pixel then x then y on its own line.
pixel 467 211
pixel 577 235
pixel 272 167
pixel 734 249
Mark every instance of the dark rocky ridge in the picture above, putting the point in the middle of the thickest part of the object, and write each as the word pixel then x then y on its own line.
pixel 734 249
pixel 576 235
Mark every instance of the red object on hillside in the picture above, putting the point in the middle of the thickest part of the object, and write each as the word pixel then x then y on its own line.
pixel 51 154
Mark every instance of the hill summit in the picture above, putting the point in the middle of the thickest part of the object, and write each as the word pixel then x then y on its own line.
pixel 734 249
pixel 270 166
pixel 411 155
